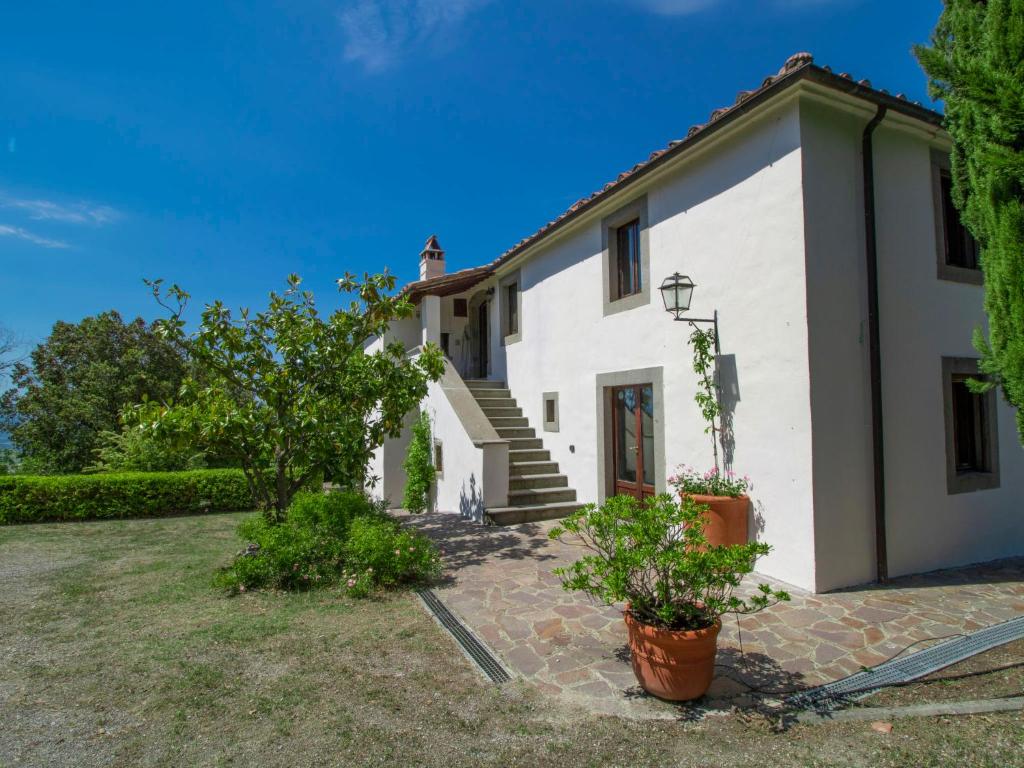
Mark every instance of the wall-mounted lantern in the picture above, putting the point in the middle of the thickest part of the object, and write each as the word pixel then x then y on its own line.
pixel 677 292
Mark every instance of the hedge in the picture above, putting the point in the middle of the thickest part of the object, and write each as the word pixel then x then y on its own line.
pixel 41 498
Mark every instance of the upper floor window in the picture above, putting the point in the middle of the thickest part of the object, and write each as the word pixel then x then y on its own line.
pixel 512 299
pixel 510 308
pixel 961 248
pixel 627 260
pixel 956 251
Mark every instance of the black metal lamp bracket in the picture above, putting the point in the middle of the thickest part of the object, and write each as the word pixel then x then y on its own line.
pixel 712 321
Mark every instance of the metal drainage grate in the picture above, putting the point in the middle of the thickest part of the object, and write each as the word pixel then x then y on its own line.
pixel 902 670
pixel 475 651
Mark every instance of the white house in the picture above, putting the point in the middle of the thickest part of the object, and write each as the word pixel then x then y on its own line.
pixel 845 309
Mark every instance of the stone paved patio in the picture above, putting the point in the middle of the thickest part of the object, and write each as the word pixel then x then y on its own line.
pixel 500 582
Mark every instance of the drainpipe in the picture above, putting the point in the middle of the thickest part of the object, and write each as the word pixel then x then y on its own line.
pixel 874 344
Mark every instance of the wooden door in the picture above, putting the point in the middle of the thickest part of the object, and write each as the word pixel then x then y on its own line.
pixel 633 439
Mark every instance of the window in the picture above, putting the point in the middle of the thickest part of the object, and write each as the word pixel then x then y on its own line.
pixel 550 411
pixel 445 342
pixel 509 299
pixel 460 308
pixel 627 259
pixel 512 298
pixel 956 251
pixel 969 454
pixel 438 458
pixel 972 450
pixel 961 250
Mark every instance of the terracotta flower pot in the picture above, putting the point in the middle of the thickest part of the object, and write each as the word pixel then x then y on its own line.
pixel 676 666
pixel 727 519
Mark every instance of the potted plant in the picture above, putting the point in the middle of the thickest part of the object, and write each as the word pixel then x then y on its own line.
pixel 653 556
pixel 726 499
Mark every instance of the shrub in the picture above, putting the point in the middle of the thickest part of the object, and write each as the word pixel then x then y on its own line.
pixel 325 537
pixel 41 498
pixel 135 448
pixel 419 469
pixel 380 551
pixel 654 556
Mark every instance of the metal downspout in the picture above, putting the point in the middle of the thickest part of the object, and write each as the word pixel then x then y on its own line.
pixel 874 344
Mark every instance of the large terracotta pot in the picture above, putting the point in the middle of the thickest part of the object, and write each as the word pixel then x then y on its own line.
pixel 676 666
pixel 727 520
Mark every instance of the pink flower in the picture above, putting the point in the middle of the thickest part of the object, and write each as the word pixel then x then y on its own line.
pixel 351 583
pixel 241 587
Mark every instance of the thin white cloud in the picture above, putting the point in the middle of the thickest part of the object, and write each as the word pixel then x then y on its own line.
pixel 76 213
pixel 381 33
pixel 24 234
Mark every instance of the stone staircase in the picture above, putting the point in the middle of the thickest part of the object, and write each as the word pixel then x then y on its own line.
pixel 536 490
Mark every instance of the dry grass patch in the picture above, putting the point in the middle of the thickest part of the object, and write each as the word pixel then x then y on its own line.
pixel 115 650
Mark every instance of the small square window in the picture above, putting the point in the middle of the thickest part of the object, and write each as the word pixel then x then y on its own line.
pixel 972 447
pixel 460 308
pixel 550 412
pixel 627 260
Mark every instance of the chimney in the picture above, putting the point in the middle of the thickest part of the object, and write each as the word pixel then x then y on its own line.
pixel 431 259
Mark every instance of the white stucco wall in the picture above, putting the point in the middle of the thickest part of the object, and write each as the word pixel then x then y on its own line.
pixel 922 320
pixel 838 345
pixel 459 487
pixel 732 220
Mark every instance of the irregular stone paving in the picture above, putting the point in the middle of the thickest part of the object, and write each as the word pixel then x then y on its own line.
pixel 499 581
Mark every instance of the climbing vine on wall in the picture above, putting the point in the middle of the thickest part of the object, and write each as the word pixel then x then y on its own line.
pixel 703 343
pixel 419 470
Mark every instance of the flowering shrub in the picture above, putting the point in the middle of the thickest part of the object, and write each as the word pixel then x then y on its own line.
pixel 654 555
pixel 325 538
pixel 688 480
pixel 381 552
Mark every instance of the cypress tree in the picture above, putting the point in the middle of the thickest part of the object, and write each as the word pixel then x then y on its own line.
pixel 975 64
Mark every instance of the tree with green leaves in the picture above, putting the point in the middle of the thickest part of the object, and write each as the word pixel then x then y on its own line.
pixel 976 66
pixel 74 385
pixel 290 395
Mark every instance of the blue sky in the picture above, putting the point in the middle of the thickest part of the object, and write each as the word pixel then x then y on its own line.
pixel 224 145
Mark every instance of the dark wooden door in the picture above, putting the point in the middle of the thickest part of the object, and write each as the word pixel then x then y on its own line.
pixel 483 340
pixel 633 439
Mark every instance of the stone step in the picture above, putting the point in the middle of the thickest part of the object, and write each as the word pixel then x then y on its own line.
pixel 486 403
pixel 490 393
pixel 505 422
pixel 497 411
pixel 532 513
pixel 531 496
pixel 518 455
pixel 525 468
pixel 514 433
pixel 545 480
pixel 524 443
pixel 484 384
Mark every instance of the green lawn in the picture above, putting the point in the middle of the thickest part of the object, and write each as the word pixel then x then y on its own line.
pixel 114 650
